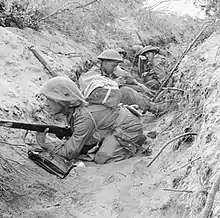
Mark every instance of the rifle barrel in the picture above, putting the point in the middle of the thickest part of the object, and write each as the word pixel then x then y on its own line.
pixel 60 132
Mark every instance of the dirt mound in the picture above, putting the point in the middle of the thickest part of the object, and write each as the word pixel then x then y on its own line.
pixel 121 190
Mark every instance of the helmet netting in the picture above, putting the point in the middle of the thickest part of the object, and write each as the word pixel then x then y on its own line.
pixel 62 89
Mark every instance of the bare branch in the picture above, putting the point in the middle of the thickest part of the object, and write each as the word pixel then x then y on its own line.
pixel 83 6
pixel 65 5
pixel 178 62
pixel 177 190
pixel 186 164
pixel 159 3
pixel 173 88
pixel 177 137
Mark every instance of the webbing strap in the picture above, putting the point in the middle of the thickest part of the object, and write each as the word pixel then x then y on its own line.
pixel 90 114
pixel 106 96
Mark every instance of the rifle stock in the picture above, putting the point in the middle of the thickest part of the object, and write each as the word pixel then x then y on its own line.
pixel 60 132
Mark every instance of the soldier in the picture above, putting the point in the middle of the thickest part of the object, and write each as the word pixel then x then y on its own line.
pixel 100 133
pixel 152 66
pixel 109 60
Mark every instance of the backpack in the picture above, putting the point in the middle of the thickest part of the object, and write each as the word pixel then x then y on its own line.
pixel 99 89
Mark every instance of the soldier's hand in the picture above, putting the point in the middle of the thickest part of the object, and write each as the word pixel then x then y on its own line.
pixel 130 80
pixel 41 137
pixel 120 81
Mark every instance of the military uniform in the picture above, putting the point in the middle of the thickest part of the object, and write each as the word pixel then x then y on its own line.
pixel 131 94
pixel 155 71
pixel 118 130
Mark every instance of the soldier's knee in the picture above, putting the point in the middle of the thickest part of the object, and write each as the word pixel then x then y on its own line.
pixel 125 90
pixel 101 158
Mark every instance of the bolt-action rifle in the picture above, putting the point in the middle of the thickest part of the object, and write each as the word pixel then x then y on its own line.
pixel 42 61
pixel 60 132
pixel 50 162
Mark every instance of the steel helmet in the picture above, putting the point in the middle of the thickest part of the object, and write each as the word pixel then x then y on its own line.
pixel 149 48
pixel 110 54
pixel 137 48
pixel 63 90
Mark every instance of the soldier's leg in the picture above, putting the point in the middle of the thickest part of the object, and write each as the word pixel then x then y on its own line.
pixel 130 96
pixel 111 151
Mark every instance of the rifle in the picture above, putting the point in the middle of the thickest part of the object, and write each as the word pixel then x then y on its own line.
pixel 60 132
pixel 42 61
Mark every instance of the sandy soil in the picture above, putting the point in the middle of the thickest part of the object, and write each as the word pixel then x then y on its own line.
pixel 128 189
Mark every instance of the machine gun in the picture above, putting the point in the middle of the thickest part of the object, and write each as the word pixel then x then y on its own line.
pixel 60 132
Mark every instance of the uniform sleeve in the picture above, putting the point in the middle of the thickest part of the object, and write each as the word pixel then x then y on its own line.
pixel 83 129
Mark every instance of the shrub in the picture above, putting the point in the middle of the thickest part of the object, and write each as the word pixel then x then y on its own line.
pixel 19 14
pixel 101 25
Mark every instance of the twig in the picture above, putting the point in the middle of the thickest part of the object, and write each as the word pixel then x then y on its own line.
pixel 211 197
pixel 177 137
pixel 157 4
pixel 121 174
pixel 50 15
pixel 83 6
pixel 186 164
pixel 173 88
pixel 72 2
pixel 115 173
pixel 177 190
